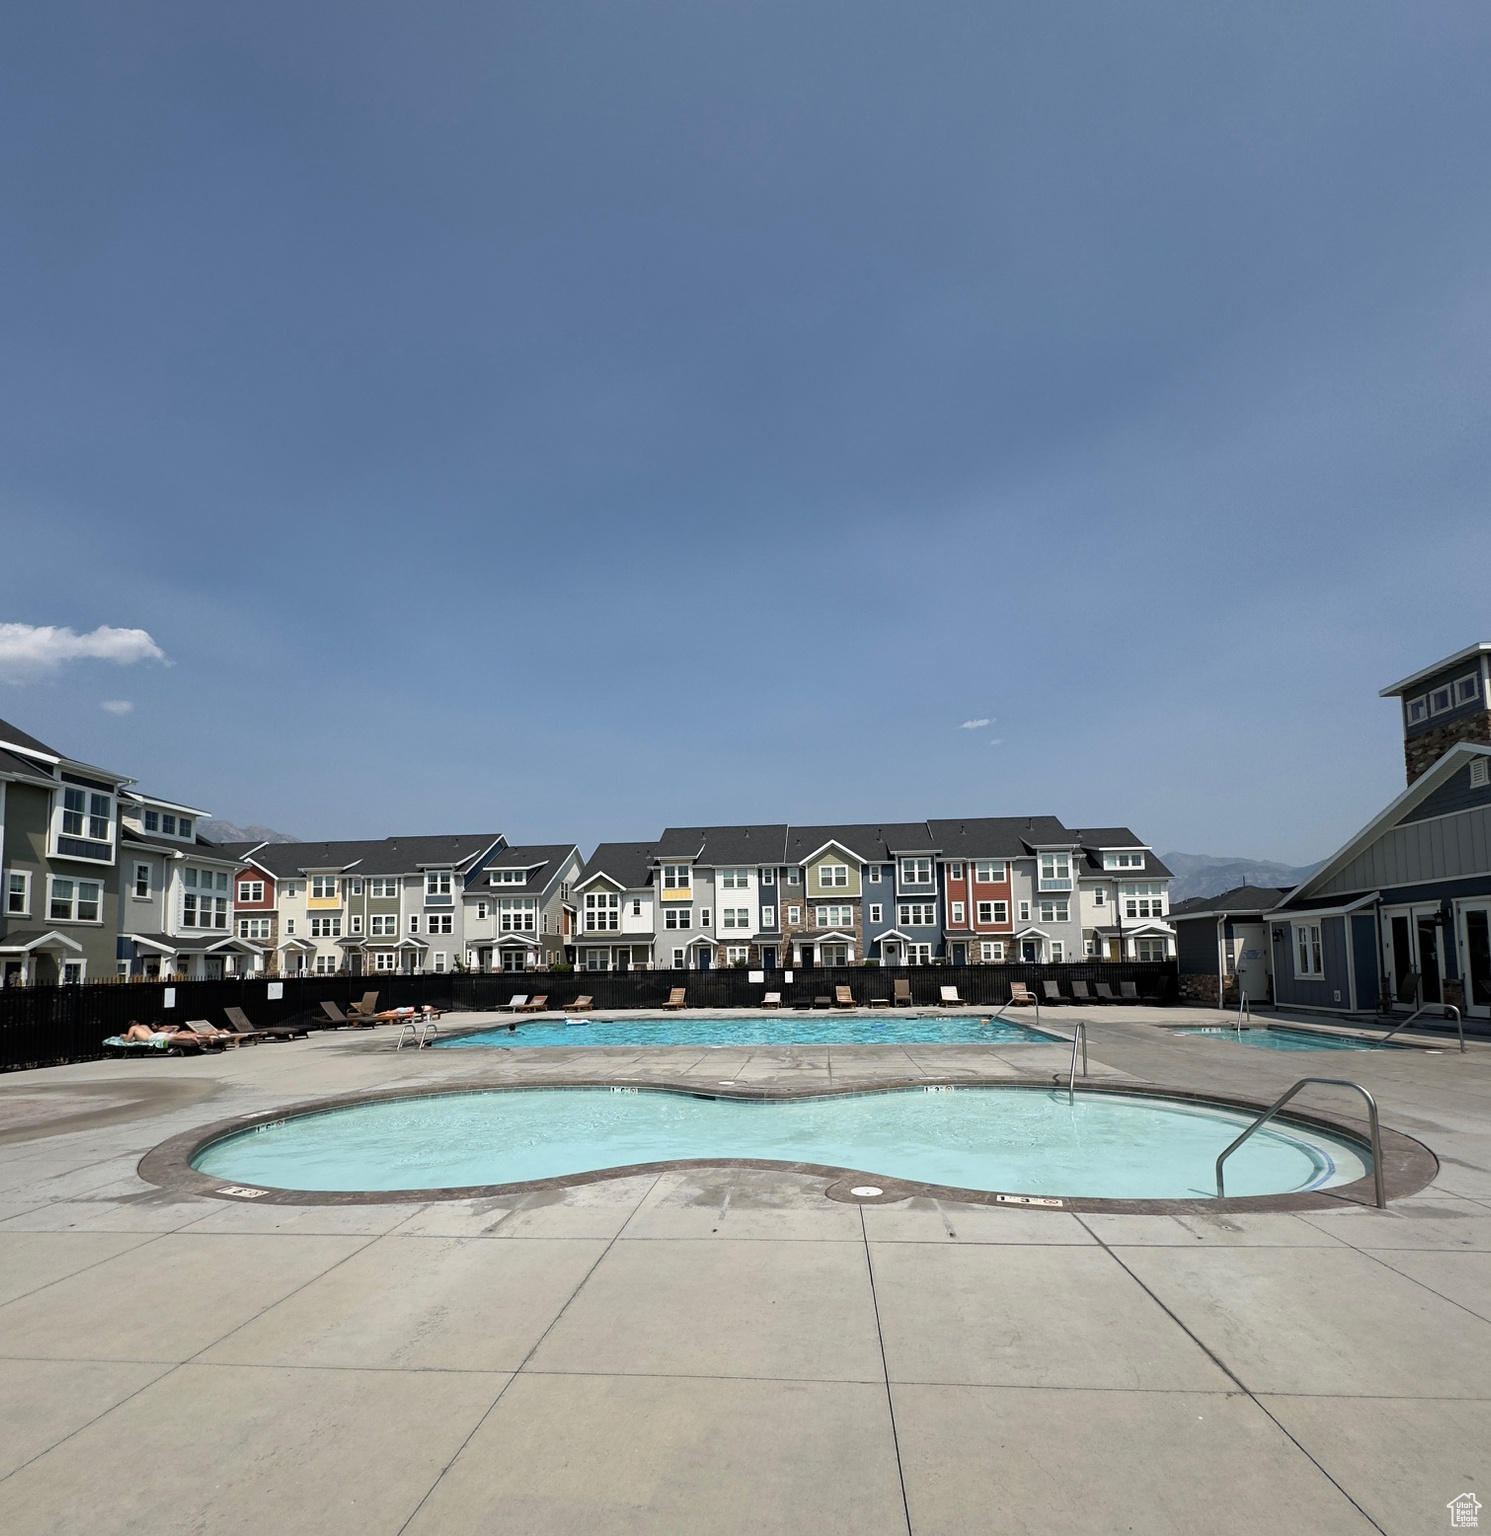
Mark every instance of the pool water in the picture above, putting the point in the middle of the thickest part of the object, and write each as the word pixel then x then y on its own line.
pixel 1278 1039
pixel 1026 1141
pixel 787 1028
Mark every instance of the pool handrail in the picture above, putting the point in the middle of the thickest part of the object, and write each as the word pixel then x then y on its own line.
pixel 1243 1007
pixel 1009 1002
pixel 1284 1098
pixel 1446 1007
pixel 1071 1082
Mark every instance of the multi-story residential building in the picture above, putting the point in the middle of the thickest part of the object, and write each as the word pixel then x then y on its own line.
pixel 902 906
pixel 1124 897
pixel 361 907
pixel 979 859
pixel 519 911
pixel 616 915
pixel 822 902
pixel 716 890
pixel 176 902
pixel 59 860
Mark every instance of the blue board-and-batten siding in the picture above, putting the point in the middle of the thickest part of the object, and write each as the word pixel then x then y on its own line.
pixel 1366 960
pixel 1331 991
pixel 1457 793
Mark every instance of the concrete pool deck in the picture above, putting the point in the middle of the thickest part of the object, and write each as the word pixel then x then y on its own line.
pixel 727 1350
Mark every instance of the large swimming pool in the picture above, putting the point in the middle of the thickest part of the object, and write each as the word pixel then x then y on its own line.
pixel 789 1028
pixel 1018 1140
pixel 1276 1037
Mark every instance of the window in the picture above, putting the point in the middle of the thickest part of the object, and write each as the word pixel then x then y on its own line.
pixel 916 871
pixel 834 917
pixel 74 901
pixel 768 877
pixel 676 877
pixel 152 821
pixel 381 886
pixel 1308 957
pixel 918 954
pixel 357 887
pixel 168 824
pixel 85 827
pixel 439 959
pixel 1055 912
pixel 833 876
pixel 958 910
pixel 290 925
pixel 794 877
pixel 916 914
pixel 704 917
pixel 386 960
pixel 1417 710
pixel 1480 772
pixel 383 925
pixel 1099 896
pixel 736 954
pixel 678 917
pixel 872 873
pixel 18 892
pixel 991 952
pixel 439 922
pixel 1024 911
pixel 602 912
pixel 1149 949
pixel 437 885
pixel 509 877
pixel 1467 689
pixel 1440 699
pixel 142 880
pixel 735 917
pixel 250 891
pixel 1146 899
pixel 875 912
pixel 735 879
pixel 955 870
pixel 1058 951
pixel 326 965
pixel 184 826
pixel 323 888
pixel 1123 861
pixel 794 915
pixel 515 914
pixel 481 911
pixel 253 927
pixel 1056 872
pixel 989 871
pixel 203 911
pixel 677 959
pixel 768 917
pixel 414 922
pixel 326 927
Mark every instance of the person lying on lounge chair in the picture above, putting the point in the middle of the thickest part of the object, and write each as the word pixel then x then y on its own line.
pixel 172 1032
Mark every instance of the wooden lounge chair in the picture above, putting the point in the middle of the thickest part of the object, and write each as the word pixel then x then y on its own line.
pixel 582 1004
pixel 1081 993
pixel 366 1008
pixel 1021 995
pixel 1130 994
pixel 517 1002
pixel 949 998
pixel 1051 992
pixel 1104 992
pixel 238 1022
pixel 844 998
pixel 772 1000
pixel 901 991
pixel 336 1019
pixel 208 1033
pixel 676 998
pixel 534 1004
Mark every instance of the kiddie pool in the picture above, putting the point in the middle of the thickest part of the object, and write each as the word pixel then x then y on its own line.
pixel 1028 1140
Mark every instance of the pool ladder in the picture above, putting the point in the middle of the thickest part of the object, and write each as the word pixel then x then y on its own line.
pixel 1284 1098
pixel 1244 1010
pixel 420 1031
pixel 1445 1009
pixel 1080 1035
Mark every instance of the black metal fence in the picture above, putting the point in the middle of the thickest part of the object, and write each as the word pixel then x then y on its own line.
pixel 46 1026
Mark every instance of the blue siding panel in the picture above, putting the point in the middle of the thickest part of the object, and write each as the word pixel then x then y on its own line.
pixel 1365 957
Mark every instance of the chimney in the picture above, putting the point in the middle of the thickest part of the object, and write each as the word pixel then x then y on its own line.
pixel 1444 704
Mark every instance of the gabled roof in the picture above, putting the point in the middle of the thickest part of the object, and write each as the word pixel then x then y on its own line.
pixel 998 837
pixel 23 940
pixel 387 856
pixel 541 861
pixel 1241 901
pixel 1096 841
pixel 727 846
pixel 13 735
pixel 1470 653
pixel 804 842
pixel 628 864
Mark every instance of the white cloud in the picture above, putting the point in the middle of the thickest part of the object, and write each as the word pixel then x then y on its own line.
pixel 996 741
pixel 31 650
pixel 974 725
pixel 117 706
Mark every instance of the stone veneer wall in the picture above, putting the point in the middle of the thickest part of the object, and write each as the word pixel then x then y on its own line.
pixel 1420 753
pixel 1201 988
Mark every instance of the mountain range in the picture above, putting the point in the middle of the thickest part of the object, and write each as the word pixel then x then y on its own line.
pixel 221 831
pixel 1205 874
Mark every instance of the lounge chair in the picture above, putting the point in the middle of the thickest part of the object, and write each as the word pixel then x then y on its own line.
pixel 238 1022
pixel 901 991
pixel 582 1004
pixel 844 998
pixel 1130 994
pixel 336 1019
pixel 772 1000
pixel 676 998
pixel 1104 992
pixel 366 1008
pixel 534 1004
pixel 517 1002
pixel 1022 997
pixel 1081 993
pixel 207 1031
pixel 822 1002
pixel 949 998
pixel 1051 992
pixel 880 1002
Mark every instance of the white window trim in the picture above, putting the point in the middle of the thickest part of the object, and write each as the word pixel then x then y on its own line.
pixel 1309 942
pixel 24 911
pixel 875 912
pixel 75 881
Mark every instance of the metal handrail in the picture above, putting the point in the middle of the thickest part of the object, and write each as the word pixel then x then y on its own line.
pixel 1071 1082
pixel 1010 1003
pixel 1283 1099
pixel 1447 1007
pixel 1243 1007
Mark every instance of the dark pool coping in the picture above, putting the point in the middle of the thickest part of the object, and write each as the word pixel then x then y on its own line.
pixel 1408 1165
pixel 1424 1045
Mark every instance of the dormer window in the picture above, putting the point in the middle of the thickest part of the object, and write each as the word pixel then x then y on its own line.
pixel 916 871
pixel 1467 689
pixel 676 877
pixel 183 826
pixel 152 821
pixel 437 882
pixel 1056 872
pixel 84 824
pixel 323 888
pixel 1123 861
pixel 168 825
pixel 509 877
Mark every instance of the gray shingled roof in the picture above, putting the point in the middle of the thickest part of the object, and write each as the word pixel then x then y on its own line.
pixel 540 860
pixel 629 864
pixel 388 856
pixel 13 733
pixel 997 837
pixel 1242 899
pixel 726 846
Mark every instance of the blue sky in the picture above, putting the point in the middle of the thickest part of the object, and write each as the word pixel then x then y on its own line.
pixel 573 418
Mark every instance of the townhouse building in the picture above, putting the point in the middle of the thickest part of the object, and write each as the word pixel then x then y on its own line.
pixel 984 859
pixel 518 908
pixel 823 885
pixel 715 894
pixel 615 911
pixel 360 907
pixel 59 860
pixel 1124 897
pixel 176 900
